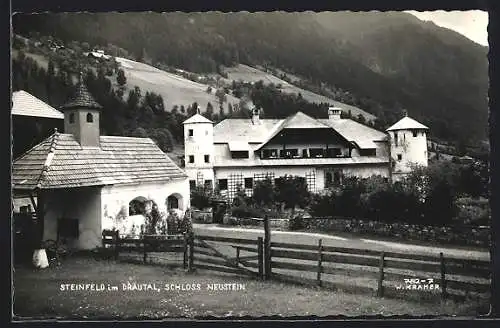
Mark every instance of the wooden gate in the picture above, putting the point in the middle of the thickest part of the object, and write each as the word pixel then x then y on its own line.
pixel 228 255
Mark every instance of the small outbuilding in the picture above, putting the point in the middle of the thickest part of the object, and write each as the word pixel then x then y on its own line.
pixel 81 182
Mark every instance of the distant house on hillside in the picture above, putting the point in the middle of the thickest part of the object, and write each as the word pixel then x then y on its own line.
pixel 81 182
pixel 32 121
pixel 97 54
pixel 236 153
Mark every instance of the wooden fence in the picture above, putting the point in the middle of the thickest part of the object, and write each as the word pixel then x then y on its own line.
pixel 384 273
pixel 146 245
pixel 229 255
pixel 449 276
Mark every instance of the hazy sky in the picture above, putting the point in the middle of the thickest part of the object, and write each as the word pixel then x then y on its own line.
pixel 472 23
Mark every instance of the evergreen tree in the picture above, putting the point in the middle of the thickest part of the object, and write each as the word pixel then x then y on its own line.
pixel 121 79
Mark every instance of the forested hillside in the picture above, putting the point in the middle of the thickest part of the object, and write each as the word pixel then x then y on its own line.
pixel 382 62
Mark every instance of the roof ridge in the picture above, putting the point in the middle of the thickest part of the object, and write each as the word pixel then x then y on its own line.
pixel 50 157
pixel 33 148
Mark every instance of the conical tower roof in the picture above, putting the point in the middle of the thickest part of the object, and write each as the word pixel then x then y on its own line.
pixel 81 98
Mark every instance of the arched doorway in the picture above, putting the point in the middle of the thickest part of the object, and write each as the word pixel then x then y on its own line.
pixel 175 202
pixel 138 206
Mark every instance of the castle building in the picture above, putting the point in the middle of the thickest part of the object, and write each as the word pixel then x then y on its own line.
pixel 408 143
pixel 236 153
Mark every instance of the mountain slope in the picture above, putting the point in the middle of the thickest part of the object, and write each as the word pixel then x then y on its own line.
pixel 385 61
pixel 174 89
pixel 250 74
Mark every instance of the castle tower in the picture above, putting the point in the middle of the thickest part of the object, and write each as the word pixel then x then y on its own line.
pixel 81 117
pixel 408 144
pixel 199 150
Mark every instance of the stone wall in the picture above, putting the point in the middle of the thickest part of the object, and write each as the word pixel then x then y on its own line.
pixel 471 236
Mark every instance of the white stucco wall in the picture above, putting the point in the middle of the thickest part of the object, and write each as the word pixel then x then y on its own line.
pixel 362 171
pixel 116 199
pixel 200 144
pixel 366 171
pixel 412 149
pixel 205 173
pixel 83 204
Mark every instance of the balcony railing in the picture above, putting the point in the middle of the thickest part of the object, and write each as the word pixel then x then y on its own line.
pixel 307 156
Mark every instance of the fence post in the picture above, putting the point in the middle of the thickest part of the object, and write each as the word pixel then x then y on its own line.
pixel 145 254
pixel 185 255
pixel 320 260
pixel 116 238
pixel 191 253
pixel 380 287
pixel 260 252
pixel 443 276
pixel 267 248
pixel 237 256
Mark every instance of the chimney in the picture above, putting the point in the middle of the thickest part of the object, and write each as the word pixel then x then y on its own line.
pixel 334 113
pixel 81 117
pixel 255 116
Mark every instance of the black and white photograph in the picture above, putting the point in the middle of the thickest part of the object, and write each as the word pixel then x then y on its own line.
pixel 245 165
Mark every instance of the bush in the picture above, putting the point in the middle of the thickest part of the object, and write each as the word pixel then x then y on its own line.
pixel 263 193
pixel 297 223
pixel 200 198
pixel 473 215
pixel 322 205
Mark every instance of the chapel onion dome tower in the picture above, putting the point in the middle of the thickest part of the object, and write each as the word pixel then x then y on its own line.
pixel 408 143
pixel 81 116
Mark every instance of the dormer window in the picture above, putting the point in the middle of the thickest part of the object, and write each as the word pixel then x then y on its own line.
pixel 72 118
pixel 90 118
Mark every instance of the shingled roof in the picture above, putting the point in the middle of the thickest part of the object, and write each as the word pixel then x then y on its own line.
pixel 243 130
pixel 25 104
pixel 81 98
pixel 407 123
pixel 197 118
pixel 60 162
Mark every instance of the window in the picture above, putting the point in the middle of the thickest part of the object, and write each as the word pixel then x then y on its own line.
pixel 368 152
pixel 316 152
pixel 208 184
pixel 337 178
pixel 190 132
pixel 248 183
pixel 396 138
pixel 333 152
pixel 304 153
pixel 223 184
pixel 172 202
pixel 192 184
pixel 328 179
pixel 72 118
pixel 90 118
pixel 269 153
pixel 400 157
pixel 415 133
pixel 207 158
pixel 239 154
pixel 289 153
pixel 191 158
